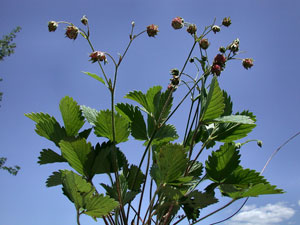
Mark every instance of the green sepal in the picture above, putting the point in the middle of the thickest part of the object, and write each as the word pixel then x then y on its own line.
pixel 103 126
pixel 71 115
pixel 50 156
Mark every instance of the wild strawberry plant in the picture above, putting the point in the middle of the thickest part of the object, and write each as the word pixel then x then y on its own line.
pixel 169 171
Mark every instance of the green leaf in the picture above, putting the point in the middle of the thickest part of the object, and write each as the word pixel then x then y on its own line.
pixel 85 133
pixel 54 179
pixel 228 104
pixel 214 106
pixel 95 76
pixel 196 200
pixel 222 162
pixel 165 134
pixel 135 178
pixel 49 156
pixel 90 114
pixel 48 127
pixel 140 98
pixel 171 161
pixel 228 132
pixel 234 119
pixel 164 104
pixel 152 96
pixel 77 154
pixel 134 115
pixel 103 126
pixel 104 162
pixel 71 115
pixel 100 205
pixel 77 189
pixel 196 170
pixel 256 190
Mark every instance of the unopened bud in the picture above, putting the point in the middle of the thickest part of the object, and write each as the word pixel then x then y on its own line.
pixel 132 23
pixel 191 29
pixel 72 32
pixel 222 49
pixel 226 21
pixel 220 59
pixel 234 46
pixel 191 60
pixel 177 23
pixel 174 72
pixel 216 29
pixel 204 44
pixel 152 30
pixel 247 63
pixel 84 20
pixel 238 145
pixel 216 69
pixel 259 143
pixel 52 26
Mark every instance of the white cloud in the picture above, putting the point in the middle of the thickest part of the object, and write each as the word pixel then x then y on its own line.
pixel 269 214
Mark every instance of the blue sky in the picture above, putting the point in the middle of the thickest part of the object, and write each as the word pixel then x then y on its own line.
pixel 46 67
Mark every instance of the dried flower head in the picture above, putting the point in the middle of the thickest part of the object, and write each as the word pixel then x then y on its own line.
pixel 177 23
pixel 84 20
pixel 226 21
pixel 247 63
pixel 204 44
pixel 97 55
pixel 72 32
pixel 234 46
pixel 216 28
pixel 52 26
pixel 191 29
pixel 152 30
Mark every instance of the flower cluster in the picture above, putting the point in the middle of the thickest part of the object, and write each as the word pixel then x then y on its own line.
pixel 218 64
pixel 174 80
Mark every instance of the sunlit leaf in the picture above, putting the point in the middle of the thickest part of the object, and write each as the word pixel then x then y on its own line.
pixel 95 76
pixel 90 114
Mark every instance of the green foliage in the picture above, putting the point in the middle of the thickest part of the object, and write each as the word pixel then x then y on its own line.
pixel 175 171
pixel 6 46
pixel 104 127
pixel 12 170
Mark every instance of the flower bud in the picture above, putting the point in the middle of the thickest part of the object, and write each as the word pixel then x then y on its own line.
pixel 247 63
pixel 191 60
pixel 238 145
pixel 216 69
pixel 52 26
pixel 72 32
pixel 216 29
pixel 222 49
pixel 174 72
pixel 132 23
pixel 97 55
pixel 259 143
pixel 220 59
pixel 226 21
pixel 152 30
pixel 84 20
pixel 191 29
pixel 234 46
pixel 177 23
pixel 204 44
